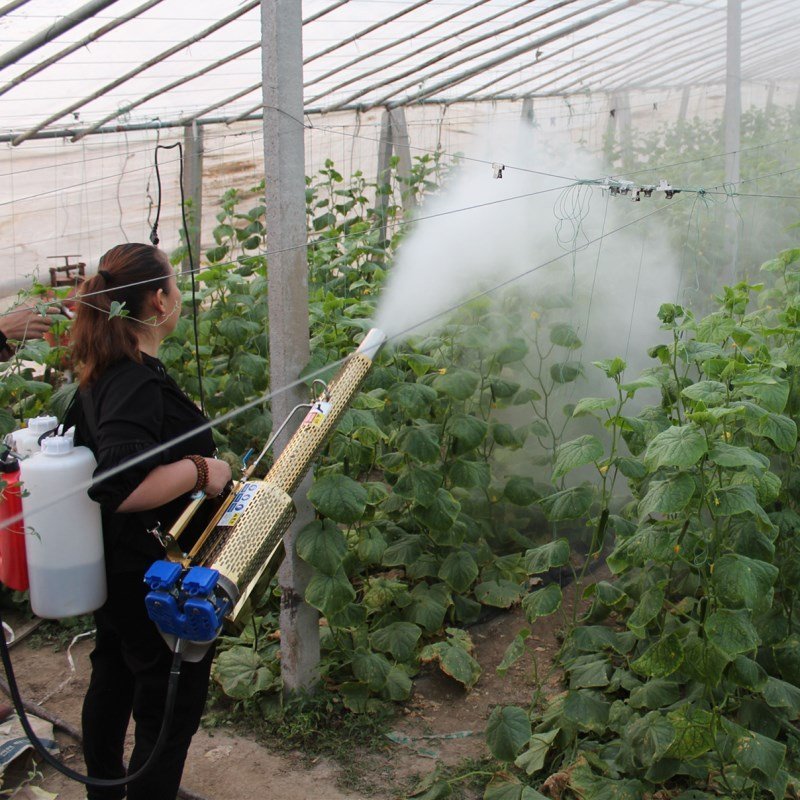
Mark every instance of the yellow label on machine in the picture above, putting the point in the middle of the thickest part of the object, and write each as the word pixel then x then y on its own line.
pixel 239 503
pixel 317 415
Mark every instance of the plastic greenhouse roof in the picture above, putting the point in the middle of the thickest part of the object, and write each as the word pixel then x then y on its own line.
pixel 68 68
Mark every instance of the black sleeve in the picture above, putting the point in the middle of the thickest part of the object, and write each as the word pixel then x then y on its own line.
pixel 129 418
pixel 3 340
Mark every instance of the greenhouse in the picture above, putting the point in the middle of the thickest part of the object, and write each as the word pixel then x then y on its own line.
pixel 457 459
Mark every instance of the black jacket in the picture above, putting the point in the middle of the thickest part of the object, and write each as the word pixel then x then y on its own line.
pixel 136 407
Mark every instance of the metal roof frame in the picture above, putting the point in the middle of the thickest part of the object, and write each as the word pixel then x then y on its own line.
pixel 468 41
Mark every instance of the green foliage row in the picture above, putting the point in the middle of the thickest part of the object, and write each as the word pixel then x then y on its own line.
pixel 683 677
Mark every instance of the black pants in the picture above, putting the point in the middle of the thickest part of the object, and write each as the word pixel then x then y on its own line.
pixel 130 669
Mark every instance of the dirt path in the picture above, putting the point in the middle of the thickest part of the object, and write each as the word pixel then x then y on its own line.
pixel 441 723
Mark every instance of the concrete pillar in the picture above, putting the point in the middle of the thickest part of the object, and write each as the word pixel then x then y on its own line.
pixel 402 150
pixel 527 111
pixel 384 169
pixel 193 187
pixel 684 109
pixel 287 270
pixel 733 114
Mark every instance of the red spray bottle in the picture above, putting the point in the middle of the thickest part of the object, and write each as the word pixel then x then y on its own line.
pixel 13 563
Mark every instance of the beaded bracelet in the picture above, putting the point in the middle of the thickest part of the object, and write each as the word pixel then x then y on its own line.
pixel 202 472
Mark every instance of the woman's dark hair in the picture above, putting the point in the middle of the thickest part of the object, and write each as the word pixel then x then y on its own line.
pixel 127 274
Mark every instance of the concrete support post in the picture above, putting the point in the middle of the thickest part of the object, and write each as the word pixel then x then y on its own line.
pixel 684 109
pixel 284 167
pixel 527 111
pixel 611 129
pixel 402 150
pixel 384 169
pixel 733 114
pixel 193 188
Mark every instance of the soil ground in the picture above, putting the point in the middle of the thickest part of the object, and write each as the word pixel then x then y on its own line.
pixel 441 723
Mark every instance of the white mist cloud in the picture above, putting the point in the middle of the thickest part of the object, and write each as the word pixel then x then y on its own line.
pixel 481 232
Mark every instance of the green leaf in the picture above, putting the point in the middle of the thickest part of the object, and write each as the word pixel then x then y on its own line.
pixel 546 556
pixel 592 674
pixel 656 693
pixel 780 694
pixel 660 659
pixel 441 513
pixel 514 350
pixel 413 398
pixel 731 631
pixel 507 732
pixel 542 602
pixel 678 446
pixel 398 638
pixel 741 582
pixel 631 468
pixel 668 496
pixel 418 483
pixel 563 335
pixel 732 500
pixel 728 455
pixel 404 552
pixel 339 497
pixel 612 367
pixel 513 652
pixel 469 431
pixel 593 405
pixel 646 610
pixel 329 593
pixel 419 443
pixel 566 371
pixel 371 669
pixel 500 788
pixel 469 474
pixel 499 594
pixel 568 504
pixel 322 545
pixel 533 759
pixel 459 571
pixel 460 384
pixel 520 491
pixel 771 393
pixel 754 752
pixel 242 674
pixel 587 710
pixel 428 606
pixel 580 451
pixel 711 393
pixel 695 733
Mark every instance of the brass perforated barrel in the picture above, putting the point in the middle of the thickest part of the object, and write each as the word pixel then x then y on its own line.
pixel 246 540
pixel 295 460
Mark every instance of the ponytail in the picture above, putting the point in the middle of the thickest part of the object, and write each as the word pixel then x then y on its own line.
pixel 127 274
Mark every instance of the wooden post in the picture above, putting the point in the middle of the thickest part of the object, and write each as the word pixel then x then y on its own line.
pixel 733 114
pixel 284 168
pixel 193 187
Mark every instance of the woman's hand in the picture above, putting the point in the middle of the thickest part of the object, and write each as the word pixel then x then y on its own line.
pixel 219 476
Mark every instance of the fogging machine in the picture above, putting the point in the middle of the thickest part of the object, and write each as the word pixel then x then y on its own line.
pixel 193 593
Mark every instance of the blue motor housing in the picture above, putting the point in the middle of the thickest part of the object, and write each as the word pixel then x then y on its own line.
pixel 186 603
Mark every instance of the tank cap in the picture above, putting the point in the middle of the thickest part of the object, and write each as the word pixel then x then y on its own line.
pixel 8 463
pixel 57 445
pixel 39 425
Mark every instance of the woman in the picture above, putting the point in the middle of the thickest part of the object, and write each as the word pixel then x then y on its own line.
pixel 128 405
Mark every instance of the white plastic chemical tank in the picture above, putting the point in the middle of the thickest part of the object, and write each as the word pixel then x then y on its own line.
pixel 64 542
pixel 26 440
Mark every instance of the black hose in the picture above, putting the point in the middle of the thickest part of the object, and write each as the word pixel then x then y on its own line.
pixel 169 708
